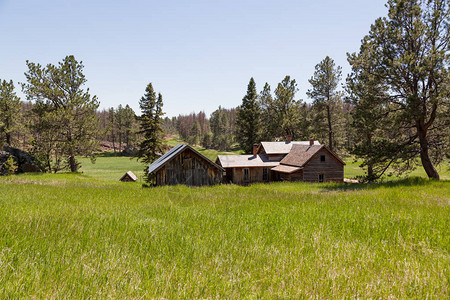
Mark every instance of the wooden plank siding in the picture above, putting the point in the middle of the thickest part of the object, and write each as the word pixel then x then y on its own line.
pixel 295 176
pixel 190 169
pixel 255 175
pixel 331 169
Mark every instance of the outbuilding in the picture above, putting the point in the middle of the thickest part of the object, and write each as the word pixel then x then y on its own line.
pixel 129 177
pixel 184 165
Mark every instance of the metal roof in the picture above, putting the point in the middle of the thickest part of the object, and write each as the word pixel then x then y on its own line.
pixel 130 174
pixel 169 155
pixel 283 147
pixel 285 169
pixel 235 161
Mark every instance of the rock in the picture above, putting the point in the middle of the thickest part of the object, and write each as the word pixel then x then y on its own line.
pixel 25 161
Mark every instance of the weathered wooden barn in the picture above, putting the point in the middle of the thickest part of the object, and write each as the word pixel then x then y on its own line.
pixel 283 161
pixel 184 165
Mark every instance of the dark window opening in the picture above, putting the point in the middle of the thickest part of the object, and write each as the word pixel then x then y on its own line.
pixel 322 158
pixel 321 177
pixel 265 174
pixel 246 174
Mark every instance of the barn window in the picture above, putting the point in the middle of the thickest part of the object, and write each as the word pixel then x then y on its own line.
pixel 322 158
pixel 265 174
pixel 321 177
pixel 246 174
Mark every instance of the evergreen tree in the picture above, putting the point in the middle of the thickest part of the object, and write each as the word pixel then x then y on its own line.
pixel 408 52
pixel 266 105
pixel 326 97
pixel 195 133
pixel 248 119
pixel 120 125
pixel 150 122
pixel 67 112
pixel 223 127
pixel 285 107
pixel 367 96
pixel 112 126
pixel 10 111
pixel 129 118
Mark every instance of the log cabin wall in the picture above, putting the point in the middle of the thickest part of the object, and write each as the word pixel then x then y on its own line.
pixel 190 169
pixel 330 168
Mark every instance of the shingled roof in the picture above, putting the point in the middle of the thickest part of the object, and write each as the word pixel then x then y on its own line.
pixel 282 147
pixel 236 161
pixel 300 155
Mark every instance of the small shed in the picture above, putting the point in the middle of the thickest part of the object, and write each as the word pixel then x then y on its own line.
pixel 184 165
pixel 129 177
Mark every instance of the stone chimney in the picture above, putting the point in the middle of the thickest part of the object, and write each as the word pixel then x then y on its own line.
pixel 311 142
pixel 255 148
pixel 288 138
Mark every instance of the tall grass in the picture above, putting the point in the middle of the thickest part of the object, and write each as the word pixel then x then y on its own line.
pixel 73 236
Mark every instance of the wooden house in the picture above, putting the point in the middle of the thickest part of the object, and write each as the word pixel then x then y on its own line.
pixel 313 163
pixel 283 161
pixel 129 177
pixel 184 165
pixel 245 169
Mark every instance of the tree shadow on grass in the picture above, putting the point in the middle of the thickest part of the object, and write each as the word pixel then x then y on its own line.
pixel 404 182
pixel 112 154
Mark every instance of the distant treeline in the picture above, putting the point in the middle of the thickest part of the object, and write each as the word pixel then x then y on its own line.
pixel 392 112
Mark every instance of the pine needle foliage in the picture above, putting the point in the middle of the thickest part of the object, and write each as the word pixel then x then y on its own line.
pixel 150 120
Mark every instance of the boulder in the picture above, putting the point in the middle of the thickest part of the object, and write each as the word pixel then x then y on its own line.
pixel 25 161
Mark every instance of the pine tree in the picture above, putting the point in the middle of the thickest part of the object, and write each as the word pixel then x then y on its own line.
pixel 285 108
pixel 67 112
pixel 150 128
pixel 326 98
pixel 366 94
pixel 112 126
pixel 10 111
pixel 266 105
pixel 248 119
pixel 408 52
pixel 195 133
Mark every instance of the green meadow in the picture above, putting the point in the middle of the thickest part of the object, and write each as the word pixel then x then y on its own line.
pixel 86 235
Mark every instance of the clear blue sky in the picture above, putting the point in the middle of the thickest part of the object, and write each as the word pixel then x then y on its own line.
pixel 198 54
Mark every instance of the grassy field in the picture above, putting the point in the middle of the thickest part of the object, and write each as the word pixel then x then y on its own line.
pixel 89 236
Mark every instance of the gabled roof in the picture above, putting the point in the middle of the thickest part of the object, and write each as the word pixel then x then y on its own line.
pixel 300 155
pixel 282 147
pixel 172 153
pixel 236 161
pixel 129 174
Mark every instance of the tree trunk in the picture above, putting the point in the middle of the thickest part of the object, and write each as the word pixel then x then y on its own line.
pixel 330 131
pixel 114 143
pixel 8 138
pixel 370 175
pixel 424 157
pixel 72 163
